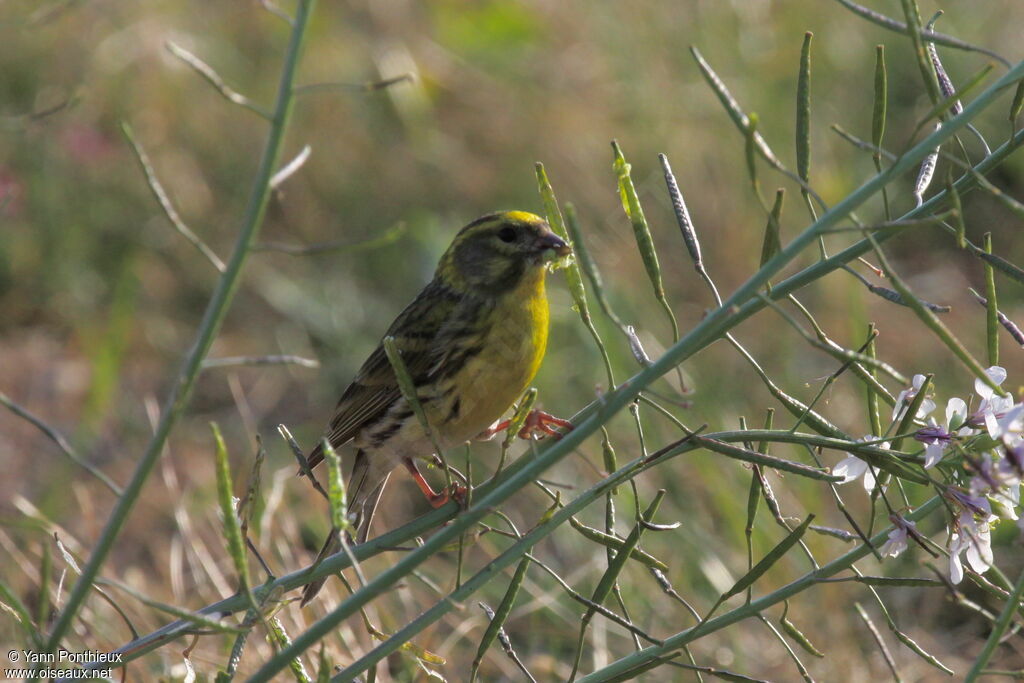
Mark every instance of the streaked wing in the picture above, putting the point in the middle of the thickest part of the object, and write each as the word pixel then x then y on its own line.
pixel 418 335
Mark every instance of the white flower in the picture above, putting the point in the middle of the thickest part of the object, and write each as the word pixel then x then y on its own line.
pixel 1011 465
pixel 974 504
pixel 1011 424
pixel 992 406
pixel 937 438
pixel 907 395
pixel 997 480
pixel 852 467
pixel 976 540
pixel 996 374
pixel 897 542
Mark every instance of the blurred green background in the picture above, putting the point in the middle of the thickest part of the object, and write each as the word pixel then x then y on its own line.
pixel 100 297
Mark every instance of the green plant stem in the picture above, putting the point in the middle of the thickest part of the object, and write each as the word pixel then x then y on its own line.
pixel 179 395
pixel 1009 609
pixel 747 610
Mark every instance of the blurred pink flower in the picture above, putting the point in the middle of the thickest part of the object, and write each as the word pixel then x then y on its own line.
pixel 85 144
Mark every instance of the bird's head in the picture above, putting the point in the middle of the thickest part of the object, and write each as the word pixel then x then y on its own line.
pixel 493 253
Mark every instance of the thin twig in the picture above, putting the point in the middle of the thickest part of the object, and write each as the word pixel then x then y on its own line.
pixel 369 86
pixel 214 79
pixel 165 201
pixel 290 168
pixel 389 236
pixel 62 443
pixel 286 359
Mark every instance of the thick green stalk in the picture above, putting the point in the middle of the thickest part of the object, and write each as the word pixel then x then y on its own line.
pixel 998 631
pixel 712 327
pixel 176 401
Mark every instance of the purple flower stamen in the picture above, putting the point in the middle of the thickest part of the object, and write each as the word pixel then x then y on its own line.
pixel 933 434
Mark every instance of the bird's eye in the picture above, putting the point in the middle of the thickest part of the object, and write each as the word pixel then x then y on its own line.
pixel 507 234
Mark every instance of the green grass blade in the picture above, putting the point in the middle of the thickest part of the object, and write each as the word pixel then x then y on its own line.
pixel 229 518
pixel 336 497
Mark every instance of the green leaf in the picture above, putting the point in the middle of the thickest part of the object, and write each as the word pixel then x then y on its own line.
pixel 617 544
pixel 772 243
pixel 769 560
pixel 501 614
pixel 611 574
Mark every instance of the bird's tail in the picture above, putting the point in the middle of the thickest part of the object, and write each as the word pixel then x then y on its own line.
pixel 365 488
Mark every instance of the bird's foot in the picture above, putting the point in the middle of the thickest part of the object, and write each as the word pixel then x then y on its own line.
pixel 539 421
pixel 435 498
pixel 455 492
pixel 536 421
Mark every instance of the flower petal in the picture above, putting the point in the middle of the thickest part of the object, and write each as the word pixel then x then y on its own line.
pixel 956 568
pixel 896 544
pixel 932 455
pixel 979 553
pixel 926 407
pixel 850 468
pixel 996 374
pixel 956 412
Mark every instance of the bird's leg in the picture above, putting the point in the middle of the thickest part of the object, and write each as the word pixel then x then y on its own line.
pixel 435 498
pixel 536 421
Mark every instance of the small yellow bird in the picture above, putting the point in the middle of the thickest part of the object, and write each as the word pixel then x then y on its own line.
pixel 472 341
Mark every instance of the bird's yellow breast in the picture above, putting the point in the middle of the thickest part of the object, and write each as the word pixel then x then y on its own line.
pixel 512 348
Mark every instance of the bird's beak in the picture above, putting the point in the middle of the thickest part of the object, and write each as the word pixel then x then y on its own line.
pixel 553 242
